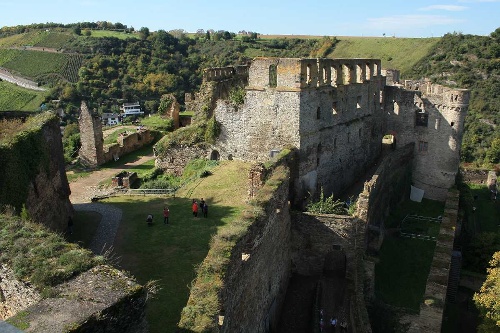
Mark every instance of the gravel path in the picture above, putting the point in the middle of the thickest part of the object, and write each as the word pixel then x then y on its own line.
pixel 106 231
pixel 83 189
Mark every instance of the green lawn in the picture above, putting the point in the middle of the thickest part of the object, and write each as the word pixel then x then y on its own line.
pixel 485 217
pixel 401 274
pixel 170 254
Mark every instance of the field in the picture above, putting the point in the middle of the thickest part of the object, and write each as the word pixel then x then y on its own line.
pixel 37 64
pixel 14 98
pixel 117 34
pixel 398 53
pixel 38 38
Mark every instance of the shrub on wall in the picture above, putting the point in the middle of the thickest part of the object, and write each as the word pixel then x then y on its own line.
pixel 213 130
pixel 189 135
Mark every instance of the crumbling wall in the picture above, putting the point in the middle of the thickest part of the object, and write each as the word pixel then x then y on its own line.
pixel 90 124
pixel 175 158
pixel 259 270
pixel 101 300
pixel 389 185
pixel 32 172
pixel 217 84
pixel 314 237
pixel 432 116
pixel 127 144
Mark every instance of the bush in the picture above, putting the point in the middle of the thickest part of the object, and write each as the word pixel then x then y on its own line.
pixel 326 206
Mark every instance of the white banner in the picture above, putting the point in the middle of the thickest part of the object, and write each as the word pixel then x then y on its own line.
pixel 416 194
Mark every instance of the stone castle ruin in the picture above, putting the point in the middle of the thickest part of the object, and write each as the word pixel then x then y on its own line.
pixel 334 114
pixel 93 152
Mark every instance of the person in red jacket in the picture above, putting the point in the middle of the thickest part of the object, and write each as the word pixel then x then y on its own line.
pixel 195 208
pixel 166 214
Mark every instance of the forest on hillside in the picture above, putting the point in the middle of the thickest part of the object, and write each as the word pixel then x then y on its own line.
pixel 472 62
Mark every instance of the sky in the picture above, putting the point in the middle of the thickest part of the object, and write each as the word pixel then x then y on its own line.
pixel 399 18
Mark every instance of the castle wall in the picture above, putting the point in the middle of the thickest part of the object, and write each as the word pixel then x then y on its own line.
pixel 257 277
pixel 314 238
pixel 32 173
pixel 329 109
pixel 389 185
pixel 432 117
pixel 127 144
pixel 176 158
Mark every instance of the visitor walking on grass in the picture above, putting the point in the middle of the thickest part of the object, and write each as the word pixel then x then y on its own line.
pixel 205 210
pixel 195 208
pixel 166 214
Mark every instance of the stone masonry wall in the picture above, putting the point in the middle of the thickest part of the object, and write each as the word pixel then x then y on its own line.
pixel 91 151
pixel 437 139
pixel 314 236
pixel 389 185
pixel 127 144
pixel 257 277
pixel 176 158
pixel 329 109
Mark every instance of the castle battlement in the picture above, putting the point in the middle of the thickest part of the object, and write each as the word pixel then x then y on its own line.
pixel 300 73
pixel 224 73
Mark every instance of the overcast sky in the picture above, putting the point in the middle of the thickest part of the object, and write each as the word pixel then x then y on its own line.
pixel 400 18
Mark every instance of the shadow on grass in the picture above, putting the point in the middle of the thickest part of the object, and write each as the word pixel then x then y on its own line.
pixel 166 253
pixel 85 225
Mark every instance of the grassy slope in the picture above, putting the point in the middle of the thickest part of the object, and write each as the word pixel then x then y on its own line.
pixel 398 53
pixel 117 34
pixel 171 253
pixel 13 97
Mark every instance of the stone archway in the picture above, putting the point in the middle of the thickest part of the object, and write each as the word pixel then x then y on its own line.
pixel 215 156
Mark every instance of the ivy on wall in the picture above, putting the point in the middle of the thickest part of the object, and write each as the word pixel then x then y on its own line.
pixel 23 156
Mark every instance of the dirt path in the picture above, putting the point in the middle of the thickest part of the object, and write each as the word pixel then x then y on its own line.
pixel 83 189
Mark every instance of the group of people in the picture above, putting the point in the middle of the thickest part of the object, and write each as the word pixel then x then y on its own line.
pixel 203 207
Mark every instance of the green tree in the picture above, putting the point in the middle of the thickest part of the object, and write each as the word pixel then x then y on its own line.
pixel 487 299
pixel 144 33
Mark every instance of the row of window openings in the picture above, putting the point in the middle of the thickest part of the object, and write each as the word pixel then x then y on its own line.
pixel 335 109
pixel 273 75
pixel 422 119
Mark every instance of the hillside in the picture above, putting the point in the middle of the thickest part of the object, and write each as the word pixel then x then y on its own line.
pixel 472 62
pixel 397 53
pixel 107 67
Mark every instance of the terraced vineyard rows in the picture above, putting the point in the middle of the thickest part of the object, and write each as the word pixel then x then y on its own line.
pixel 70 70
pixel 55 40
pixel 16 98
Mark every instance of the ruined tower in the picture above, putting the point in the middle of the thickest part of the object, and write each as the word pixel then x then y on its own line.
pixel 91 152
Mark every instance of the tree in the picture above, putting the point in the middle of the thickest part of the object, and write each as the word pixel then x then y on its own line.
pixel 144 33
pixel 487 298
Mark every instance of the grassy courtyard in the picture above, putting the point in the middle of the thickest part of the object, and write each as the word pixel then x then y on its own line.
pixel 401 274
pixel 170 254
